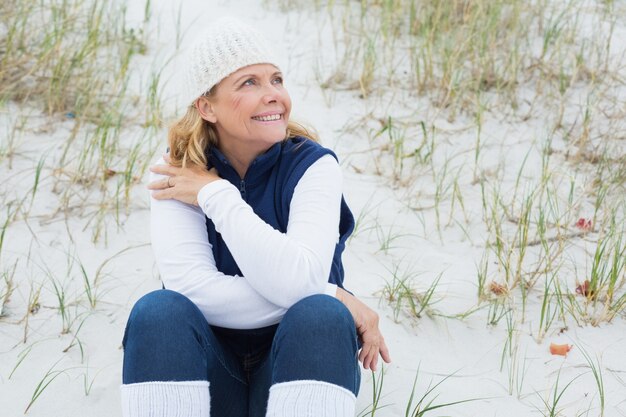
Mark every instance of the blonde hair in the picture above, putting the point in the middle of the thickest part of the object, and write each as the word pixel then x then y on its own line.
pixel 191 136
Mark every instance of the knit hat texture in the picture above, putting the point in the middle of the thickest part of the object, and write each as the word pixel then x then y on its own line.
pixel 226 46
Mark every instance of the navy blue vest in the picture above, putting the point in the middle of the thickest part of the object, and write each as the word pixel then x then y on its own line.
pixel 268 188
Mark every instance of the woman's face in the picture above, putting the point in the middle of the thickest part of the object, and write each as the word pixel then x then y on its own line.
pixel 249 108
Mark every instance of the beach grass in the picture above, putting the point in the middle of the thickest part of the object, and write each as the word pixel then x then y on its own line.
pixel 495 130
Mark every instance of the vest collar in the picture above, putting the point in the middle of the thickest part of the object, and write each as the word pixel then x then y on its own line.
pixel 258 169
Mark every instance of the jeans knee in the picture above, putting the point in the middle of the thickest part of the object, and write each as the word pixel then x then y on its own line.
pixel 159 305
pixel 320 313
pixel 157 310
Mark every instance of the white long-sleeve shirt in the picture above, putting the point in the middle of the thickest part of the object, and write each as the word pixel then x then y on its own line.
pixel 279 268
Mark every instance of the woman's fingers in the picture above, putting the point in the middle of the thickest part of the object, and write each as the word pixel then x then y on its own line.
pixel 165 169
pixel 163 194
pixel 370 359
pixel 364 355
pixel 162 169
pixel 373 346
pixel 161 184
pixel 369 351
pixel 384 351
pixel 374 360
pixel 179 183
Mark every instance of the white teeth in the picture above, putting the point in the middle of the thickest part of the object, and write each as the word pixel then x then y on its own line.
pixel 268 118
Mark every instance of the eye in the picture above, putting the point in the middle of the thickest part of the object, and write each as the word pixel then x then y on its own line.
pixel 278 80
pixel 249 81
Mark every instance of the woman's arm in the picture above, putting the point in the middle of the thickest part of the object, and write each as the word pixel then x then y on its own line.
pixel 282 267
pixel 185 261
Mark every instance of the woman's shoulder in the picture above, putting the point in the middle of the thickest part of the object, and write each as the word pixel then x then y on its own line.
pixel 303 145
pixel 301 141
pixel 302 155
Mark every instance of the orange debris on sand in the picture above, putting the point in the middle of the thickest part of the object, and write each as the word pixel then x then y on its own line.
pixel 585 290
pixel 560 349
pixel 498 289
pixel 585 225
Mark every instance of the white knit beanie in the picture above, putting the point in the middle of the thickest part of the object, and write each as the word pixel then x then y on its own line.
pixel 227 45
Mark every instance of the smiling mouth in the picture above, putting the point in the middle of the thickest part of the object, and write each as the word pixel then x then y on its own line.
pixel 269 118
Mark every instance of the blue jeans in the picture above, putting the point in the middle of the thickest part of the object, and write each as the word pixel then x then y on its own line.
pixel 168 339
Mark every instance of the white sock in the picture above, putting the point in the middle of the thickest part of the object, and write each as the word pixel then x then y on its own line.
pixel 166 399
pixel 310 399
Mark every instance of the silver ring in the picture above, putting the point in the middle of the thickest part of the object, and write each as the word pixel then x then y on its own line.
pixel 168 182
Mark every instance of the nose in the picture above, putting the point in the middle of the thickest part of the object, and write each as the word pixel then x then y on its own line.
pixel 270 93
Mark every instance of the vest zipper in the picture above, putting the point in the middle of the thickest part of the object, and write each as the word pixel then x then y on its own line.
pixel 242 190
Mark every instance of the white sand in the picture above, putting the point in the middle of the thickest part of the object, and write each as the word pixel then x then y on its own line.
pixel 84 379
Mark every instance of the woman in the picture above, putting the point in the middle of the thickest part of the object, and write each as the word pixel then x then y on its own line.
pixel 248 227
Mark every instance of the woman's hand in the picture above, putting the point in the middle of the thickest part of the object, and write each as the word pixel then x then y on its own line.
pixel 366 321
pixel 181 184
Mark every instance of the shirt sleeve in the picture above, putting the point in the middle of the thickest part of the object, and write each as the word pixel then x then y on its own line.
pixel 185 261
pixel 283 267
